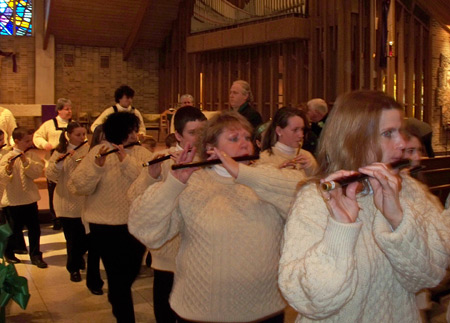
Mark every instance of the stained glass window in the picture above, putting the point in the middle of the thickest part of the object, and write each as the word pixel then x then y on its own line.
pixel 15 17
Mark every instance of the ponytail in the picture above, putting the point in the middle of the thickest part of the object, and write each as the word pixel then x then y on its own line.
pixel 63 141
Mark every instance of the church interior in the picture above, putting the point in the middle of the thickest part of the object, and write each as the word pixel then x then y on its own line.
pixel 289 51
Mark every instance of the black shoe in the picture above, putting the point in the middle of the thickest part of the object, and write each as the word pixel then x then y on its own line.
pixel 75 276
pixel 39 263
pixel 96 291
pixel 12 260
pixel 57 224
pixel 21 251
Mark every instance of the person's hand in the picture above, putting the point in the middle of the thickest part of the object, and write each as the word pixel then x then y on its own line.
pixel 100 161
pixel 341 203
pixel 228 163
pixel 186 156
pixel 121 153
pixel 155 169
pixel 300 161
pixel 48 146
pixel 386 186
pixel 24 160
pixel 10 165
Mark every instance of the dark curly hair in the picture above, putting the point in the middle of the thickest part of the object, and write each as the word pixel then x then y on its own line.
pixel 118 126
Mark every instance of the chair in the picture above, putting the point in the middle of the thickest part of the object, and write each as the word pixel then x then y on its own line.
pixel 164 122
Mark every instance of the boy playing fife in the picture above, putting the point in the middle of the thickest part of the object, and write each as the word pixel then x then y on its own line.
pixel 21 194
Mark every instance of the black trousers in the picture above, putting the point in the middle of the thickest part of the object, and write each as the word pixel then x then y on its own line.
pixel 51 189
pixel 76 242
pixel 122 255
pixel 162 286
pixel 19 243
pixel 275 319
pixel 93 278
pixel 18 217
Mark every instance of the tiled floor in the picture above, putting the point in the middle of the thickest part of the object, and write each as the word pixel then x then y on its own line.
pixel 54 298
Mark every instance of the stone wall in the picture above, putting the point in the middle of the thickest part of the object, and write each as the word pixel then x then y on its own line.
pixel 441 87
pixel 17 87
pixel 89 76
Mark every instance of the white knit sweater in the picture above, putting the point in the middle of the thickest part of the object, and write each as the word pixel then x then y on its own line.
pixel 66 204
pixel 47 133
pixel 278 157
pixel 364 271
pixel 163 258
pixel 106 187
pixel 226 269
pixel 20 188
pixel 7 124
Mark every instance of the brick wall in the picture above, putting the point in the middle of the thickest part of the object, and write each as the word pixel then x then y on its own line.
pixel 17 87
pixel 440 46
pixel 81 78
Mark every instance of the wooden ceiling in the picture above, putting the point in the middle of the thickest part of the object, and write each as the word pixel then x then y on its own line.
pixel 111 23
pixel 439 9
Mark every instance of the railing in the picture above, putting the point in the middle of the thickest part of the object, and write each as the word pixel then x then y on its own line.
pixel 223 13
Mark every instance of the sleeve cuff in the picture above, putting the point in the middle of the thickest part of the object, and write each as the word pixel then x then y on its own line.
pixel 340 238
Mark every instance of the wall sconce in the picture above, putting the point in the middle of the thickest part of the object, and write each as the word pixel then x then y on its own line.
pixel 391 51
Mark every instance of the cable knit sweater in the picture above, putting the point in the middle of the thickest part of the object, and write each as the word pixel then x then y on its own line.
pixel 7 124
pixel 20 188
pixel 66 203
pixel 47 133
pixel 163 258
pixel 278 157
pixel 106 187
pixel 364 271
pixel 226 269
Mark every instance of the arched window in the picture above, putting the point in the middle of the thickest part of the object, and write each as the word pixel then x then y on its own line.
pixel 15 17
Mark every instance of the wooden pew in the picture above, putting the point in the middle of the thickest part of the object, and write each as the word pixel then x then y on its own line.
pixel 436 176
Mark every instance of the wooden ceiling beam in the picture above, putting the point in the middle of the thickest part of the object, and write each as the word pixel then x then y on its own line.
pixel 133 36
pixel 48 11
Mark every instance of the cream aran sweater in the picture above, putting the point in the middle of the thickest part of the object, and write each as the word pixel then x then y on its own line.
pixel 47 133
pixel 226 268
pixel 7 124
pixel 66 204
pixel 106 187
pixel 163 258
pixel 364 271
pixel 278 157
pixel 20 188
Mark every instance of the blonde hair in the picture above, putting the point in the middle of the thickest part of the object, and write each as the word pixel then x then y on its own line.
pixel 214 128
pixel 350 138
pixel 318 105
pixel 246 89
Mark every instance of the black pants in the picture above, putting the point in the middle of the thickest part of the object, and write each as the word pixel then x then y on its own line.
pixel 93 278
pixel 20 216
pixel 76 242
pixel 275 319
pixel 122 255
pixel 19 243
pixel 51 189
pixel 162 286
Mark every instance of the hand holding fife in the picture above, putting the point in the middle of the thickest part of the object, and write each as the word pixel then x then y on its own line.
pixel 100 161
pixel 386 186
pixel 154 170
pixel 341 203
pixel 121 153
pixel 228 163
pixel 186 156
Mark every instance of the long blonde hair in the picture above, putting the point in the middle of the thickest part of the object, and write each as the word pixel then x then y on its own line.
pixel 350 138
